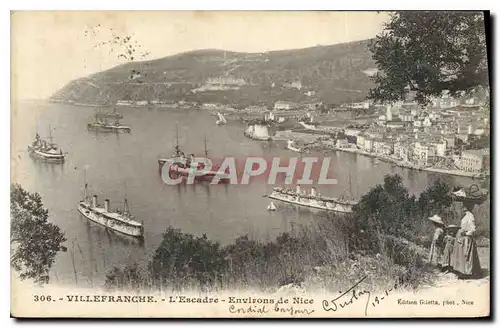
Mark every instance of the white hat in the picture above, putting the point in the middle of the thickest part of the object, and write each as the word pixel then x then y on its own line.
pixel 436 218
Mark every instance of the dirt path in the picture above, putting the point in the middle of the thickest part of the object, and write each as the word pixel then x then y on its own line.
pixel 450 280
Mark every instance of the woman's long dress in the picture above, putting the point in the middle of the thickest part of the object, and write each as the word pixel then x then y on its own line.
pixel 465 258
pixel 436 247
pixel 447 258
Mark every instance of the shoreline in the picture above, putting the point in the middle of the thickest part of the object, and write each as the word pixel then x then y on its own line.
pixel 401 164
pixel 396 162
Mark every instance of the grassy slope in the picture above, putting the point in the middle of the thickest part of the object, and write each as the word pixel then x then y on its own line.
pixel 329 70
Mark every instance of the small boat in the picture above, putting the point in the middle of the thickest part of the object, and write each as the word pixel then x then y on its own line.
pixel 120 221
pixel 46 151
pixel 271 207
pixel 290 146
pixel 222 120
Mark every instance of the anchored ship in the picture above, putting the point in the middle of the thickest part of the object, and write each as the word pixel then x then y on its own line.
pixel 120 221
pixel 47 151
pixel 114 114
pixel 178 169
pixel 313 200
pixel 102 125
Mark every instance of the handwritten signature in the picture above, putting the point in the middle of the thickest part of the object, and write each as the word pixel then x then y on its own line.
pixel 352 294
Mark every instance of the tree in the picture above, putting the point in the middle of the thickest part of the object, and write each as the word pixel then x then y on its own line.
pixel 435 199
pixel 428 53
pixel 35 241
pixel 183 258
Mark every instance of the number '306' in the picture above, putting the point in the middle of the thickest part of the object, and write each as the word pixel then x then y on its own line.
pixel 42 298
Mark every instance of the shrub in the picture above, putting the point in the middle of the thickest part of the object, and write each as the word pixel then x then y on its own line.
pixel 34 241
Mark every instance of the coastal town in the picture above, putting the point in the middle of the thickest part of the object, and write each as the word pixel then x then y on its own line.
pixel 448 135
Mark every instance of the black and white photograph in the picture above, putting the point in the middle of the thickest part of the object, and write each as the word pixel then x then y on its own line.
pixel 250 164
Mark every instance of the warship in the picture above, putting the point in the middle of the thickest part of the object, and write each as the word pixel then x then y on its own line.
pixel 119 220
pixel 102 125
pixel 47 151
pixel 313 200
pixel 183 168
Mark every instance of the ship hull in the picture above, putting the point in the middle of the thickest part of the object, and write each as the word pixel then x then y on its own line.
pixel 118 129
pixel 184 173
pixel 251 136
pixel 121 227
pixel 326 206
pixel 51 158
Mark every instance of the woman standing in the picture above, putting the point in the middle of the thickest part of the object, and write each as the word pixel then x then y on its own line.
pixel 465 259
pixel 437 241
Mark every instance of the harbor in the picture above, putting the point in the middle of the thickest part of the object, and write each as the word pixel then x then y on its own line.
pixel 222 211
pixel 411 166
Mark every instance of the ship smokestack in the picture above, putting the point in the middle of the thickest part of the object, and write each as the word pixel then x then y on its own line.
pixel 313 191
pixel 106 205
pixel 94 201
pixel 298 189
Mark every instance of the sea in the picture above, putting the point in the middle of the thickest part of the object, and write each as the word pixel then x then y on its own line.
pixel 125 165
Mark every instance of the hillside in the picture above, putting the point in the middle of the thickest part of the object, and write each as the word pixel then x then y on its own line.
pixel 333 73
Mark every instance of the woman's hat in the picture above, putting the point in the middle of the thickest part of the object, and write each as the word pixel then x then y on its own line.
pixel 437 219
pixel 452 228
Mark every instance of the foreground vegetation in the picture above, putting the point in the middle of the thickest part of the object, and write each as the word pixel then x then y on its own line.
pixel 34 240
pixel 384 239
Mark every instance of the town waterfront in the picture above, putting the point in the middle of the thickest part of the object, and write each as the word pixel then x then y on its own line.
pixel 125 165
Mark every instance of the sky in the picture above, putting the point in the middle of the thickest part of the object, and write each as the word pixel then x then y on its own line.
pixel 49 49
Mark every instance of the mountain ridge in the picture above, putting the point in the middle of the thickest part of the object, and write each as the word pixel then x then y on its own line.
pixel 328 73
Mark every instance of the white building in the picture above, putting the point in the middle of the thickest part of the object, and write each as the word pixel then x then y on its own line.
pixel 388 114
pixel 283 105
pixel 352 132
pixel 423 153
pixel 473 160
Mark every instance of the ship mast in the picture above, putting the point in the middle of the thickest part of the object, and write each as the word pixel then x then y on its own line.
pixel 86 186
pixel 36 122
pixel 206 151
pixel 350 186
pixel 50 134
pixel 126 210
pixel 177 149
